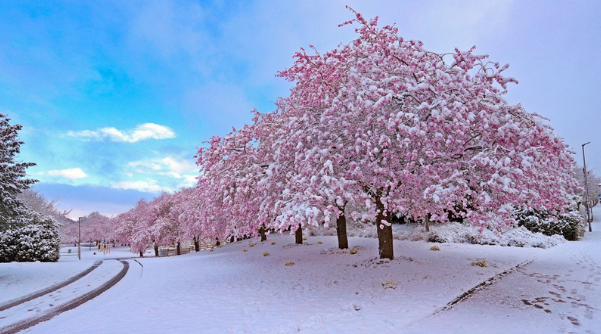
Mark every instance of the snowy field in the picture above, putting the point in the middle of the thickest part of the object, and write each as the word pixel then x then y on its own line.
pixel 247 287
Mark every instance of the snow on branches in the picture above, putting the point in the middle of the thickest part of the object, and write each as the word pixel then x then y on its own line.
pixel 385 122
pixel 375 128
pixel 12 173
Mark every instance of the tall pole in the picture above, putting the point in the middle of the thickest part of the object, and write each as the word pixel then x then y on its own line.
pixel 79 240
pixel 588 214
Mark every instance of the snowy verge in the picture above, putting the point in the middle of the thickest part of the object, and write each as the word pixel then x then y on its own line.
pixel 454 233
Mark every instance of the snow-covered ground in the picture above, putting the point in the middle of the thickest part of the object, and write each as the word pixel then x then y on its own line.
pixel 241 288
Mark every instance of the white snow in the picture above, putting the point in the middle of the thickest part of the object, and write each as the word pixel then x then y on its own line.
pixel 328 290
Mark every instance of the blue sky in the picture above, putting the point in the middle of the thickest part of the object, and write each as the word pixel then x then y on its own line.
pixel 115 96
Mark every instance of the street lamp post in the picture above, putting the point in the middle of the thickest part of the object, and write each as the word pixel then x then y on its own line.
pixel 79 240
pixel 588 215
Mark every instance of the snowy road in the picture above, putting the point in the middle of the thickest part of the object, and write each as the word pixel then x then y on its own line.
pixel 558 292
pixel 49 303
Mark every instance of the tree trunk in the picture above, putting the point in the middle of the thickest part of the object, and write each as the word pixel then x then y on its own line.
pixel 262 233
pixel 141 254
pixel 179 248
pixel 196 244
pixel 156 250
pixel 385 246
pixel 341 231
pixel 299 235
pixel 427 219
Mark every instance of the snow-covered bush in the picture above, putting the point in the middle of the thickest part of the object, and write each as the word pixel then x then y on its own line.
pixel 38 240
pixel 547 223
pixel 452 233
pixel 461 233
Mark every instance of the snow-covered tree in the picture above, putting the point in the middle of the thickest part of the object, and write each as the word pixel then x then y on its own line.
pixel 97 227
pixel 131 227
pixel 229 189
pixel 187 210
pixel 35 201
pixel 69 233
pixel 162 223
pixel 386 124
pixel 37 239
pixel 418 133
pixel 156 223
pixel 12 174
pixel 25 235
pixel 592 181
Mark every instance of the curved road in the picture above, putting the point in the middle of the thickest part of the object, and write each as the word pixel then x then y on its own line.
pixel 41 303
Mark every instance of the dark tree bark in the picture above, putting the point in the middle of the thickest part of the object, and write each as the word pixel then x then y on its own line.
pixel 427 219
pixel 217 243
pixel 141 254
pixel 156 250
pixel 196 244
pixel 299 235
pixel 262 233
pixel 385 247
pixel 341 231
pixel 179 248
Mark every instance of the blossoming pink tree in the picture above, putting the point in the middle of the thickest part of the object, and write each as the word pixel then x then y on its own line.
pixel 131 227
pixel 388 126
pixel 419 133
pixel 186 210
pixel 97 227
pixel 227 167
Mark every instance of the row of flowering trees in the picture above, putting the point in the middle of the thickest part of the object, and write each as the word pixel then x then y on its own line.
pixel 374 128
pixel 150 224
pixel 95 227
pixel 390 128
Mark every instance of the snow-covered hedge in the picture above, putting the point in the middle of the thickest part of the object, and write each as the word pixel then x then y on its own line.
pixel 542 221
pixel 453 233
pixel 38 240
pixel 517 237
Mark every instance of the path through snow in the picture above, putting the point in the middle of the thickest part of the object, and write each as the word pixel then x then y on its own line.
pixel 559 292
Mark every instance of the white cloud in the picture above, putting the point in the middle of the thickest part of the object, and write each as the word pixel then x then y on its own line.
pixel 160 174
pixel 141 132
pixel 145 186
pixel 71 173
pixel 171 166
pixel 179 166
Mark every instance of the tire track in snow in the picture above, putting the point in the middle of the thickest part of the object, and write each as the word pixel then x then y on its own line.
pixel 481 286
pixel 50 289
pixel 22 325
